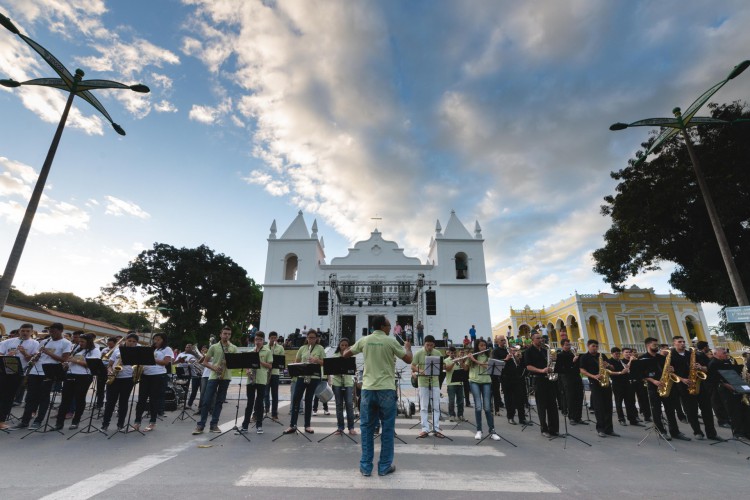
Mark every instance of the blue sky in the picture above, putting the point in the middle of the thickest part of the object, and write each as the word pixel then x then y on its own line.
pixel 348 110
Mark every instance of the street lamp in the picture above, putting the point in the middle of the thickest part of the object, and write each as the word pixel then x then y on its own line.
pixel 680 124
pixel 75 86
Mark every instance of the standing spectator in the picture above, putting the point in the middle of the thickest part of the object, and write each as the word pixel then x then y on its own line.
pixel 420 333
pixel 473 334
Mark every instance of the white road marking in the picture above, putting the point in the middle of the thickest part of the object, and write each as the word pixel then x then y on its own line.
pixel 519 482
pixel 447 450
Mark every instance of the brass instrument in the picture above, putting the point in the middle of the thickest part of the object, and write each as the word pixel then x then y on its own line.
pixel 221 371
pixel 551 376
pixel 746 378
pixel 695 376
pixel 108 354
pixel 73 354
pixel 606 379
pixel 667 378
pixel 115 371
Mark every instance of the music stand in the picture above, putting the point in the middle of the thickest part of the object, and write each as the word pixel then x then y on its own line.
pixel 340 366
pixel 132 356
pixel 10 366
pixel 494 367
pixel 732 377
pixel 96 367
pixel 639 369
pixel 55 373
pixel 241 360
pixel 300 370
pixel 528 381
pixel 183 374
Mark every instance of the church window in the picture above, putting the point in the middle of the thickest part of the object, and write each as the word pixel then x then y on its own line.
pixel 290 267
pixel 462 266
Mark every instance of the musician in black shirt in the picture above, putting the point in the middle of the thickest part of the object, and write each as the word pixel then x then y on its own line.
pixel 545 391
pixel 570 379
pixel 621 388
pixel 739 414
pixel 681 364
pixel 514 386
pixel 600 396
pixel 499 352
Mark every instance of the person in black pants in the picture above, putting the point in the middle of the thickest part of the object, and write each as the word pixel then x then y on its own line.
pixel 514 386
pixel 681 364
pixel 545 391
pixel 567 367
pixel 118 392
pixel 621 388
pixel 600 395
pixel 499 352
pixel 739 414
pixel 78 380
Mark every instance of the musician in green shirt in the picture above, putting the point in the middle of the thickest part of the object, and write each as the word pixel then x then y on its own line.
pixel 343 388
pixel 257 378
pixel 429 388
pixel 272 388
pixel 481 388
pixel 310 353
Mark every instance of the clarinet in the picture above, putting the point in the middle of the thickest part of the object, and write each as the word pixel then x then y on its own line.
pixel 35 358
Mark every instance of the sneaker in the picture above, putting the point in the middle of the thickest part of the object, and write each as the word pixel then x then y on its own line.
pixel 622 422
pixel 259 430
pixel 699 437
pixel 717 438
pixel 366 474
pixel 725 426
pixel 547 434
pixel 34 425
pixel 601 434
pixel 681 437
pixel 494 437
pixel 73 427
pixel 326 412
pixel 451 419
pixel 215 429
pixel 105 427
pixel 19 425
pixel 478 435
pixel 315 412
pixel 389 470
pixel 613 434
pixel 242 430
pixel 198 430
pixel 59 427
pixel 511 421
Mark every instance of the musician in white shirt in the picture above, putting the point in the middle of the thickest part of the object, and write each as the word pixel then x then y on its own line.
pixel 153 383
pixel 78 380
pixel 23 347
pixel 118 392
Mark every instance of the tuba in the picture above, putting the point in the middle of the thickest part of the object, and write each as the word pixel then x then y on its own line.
pixel 667 378
pixel 606 380
pixel 695 376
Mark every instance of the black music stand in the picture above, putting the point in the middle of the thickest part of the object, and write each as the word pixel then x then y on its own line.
pixel 565 435
pixel 132 356
pixel 732 377
pixel 340 366
pixel 460 375
pixel 184 374
pixel 10 366
pixel 242 361
pixel 300 370
pixel 56 373
pixel 639 369
pixel 433 365
pixel 96 367
pixel 494 367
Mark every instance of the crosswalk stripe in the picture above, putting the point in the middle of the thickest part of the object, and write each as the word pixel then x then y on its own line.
pixel 519 482
pixel 448 450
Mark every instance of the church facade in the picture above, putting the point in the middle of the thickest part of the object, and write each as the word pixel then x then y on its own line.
pixel 447 293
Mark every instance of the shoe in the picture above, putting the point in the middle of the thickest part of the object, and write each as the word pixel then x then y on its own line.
pixel 242 430
pixel 69 415
pixel 613 434
pixel 699 437
pixel 636 424
pixel 573 422
pixel 581 422
pixel 137 426
pixel 681 437
pixel 511 421
pixel 467 405
pixel 59 427
pixel 290 430
pixel 151 427
pixel 105 427
pixel 494 437
pixel 647 419
pixel 215 429
pixel 717 439
pixel 523 422
pixel 315 412
pixel 682 420
pixel 73 427
pixel 546 434
pixel 326 412
pixel 259 430
pixel 197 413
pixel 478 435
pixel 725 426
pixel 452 419
pixel 389 470
pixel 35 425
pixel 601 434
pixel 309 430
pixel 667 436
pixel 197 430
pixel 353 432
pixel 366 474
pixel 19 425
pixel 622 422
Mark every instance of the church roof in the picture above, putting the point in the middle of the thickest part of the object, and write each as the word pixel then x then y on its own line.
pixel 297 230
pixel 376 251
pixel 455 230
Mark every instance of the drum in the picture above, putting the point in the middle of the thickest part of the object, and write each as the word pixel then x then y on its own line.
pixel 324 392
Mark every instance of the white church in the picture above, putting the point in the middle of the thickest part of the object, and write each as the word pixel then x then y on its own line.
pixel 448 292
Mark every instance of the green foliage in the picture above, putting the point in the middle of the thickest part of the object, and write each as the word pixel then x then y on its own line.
pixel 195 290
pixel 659 215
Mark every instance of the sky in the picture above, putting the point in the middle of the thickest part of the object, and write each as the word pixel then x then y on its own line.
pixel 348 111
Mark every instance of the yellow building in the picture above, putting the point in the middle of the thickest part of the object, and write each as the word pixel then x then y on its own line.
pixel 614 319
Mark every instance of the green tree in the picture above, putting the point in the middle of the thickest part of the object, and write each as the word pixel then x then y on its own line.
pixel 658 214
pixel 196 290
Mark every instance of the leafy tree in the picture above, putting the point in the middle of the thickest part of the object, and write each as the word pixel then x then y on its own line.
pixel 195 290
pixel 658 213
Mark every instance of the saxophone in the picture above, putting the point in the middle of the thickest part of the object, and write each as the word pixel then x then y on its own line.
pixel 606 380
pixel 222 370
pixel 667 378
pixel 551 376
pixel 695 376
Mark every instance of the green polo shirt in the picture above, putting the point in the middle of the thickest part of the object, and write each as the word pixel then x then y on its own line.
pixel 448 362
pixel 261 374
pixel 478 374
pixel 216 355
pixel 419 362
pixel 304 353
pixel 342 380
pixel 380 352
pixel 278 350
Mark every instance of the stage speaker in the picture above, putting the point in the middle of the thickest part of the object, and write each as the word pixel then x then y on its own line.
pixel 322 303
pixel 430 304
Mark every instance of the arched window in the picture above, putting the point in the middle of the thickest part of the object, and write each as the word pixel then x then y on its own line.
pixel 462 266
pixel 290 267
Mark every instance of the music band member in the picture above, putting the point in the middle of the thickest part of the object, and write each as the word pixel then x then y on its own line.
pixel 568 369
pixel 101 382
pixel 535 360
pixel 739 414
pixel 601 396
pixel 481 388
pixel 654 384
pixel 118 392
pixel 187 360
pixel 455 389
pixel 257 378
pixel 429 388
pixel 499 352
pixel 379 393
pixel 218 381
pixel 271 399
pixel 310 353
pixel 54 350
pixel 681 364
pixel 343 391
pixel 153 383
pixel 23 347
pixel 513 380
pixel 622 390
pixel 77 381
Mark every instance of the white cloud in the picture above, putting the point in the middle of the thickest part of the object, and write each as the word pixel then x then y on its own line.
pixel 210 115
pixel 118 207
pixel 165 106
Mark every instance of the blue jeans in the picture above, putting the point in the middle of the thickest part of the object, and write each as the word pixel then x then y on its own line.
pixel 344 397
pixel 377 406
pixel 272 392
pixel 482 394
pixel 216 388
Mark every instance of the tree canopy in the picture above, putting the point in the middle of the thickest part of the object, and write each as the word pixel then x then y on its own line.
pixel 195 289
pixel 659 215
